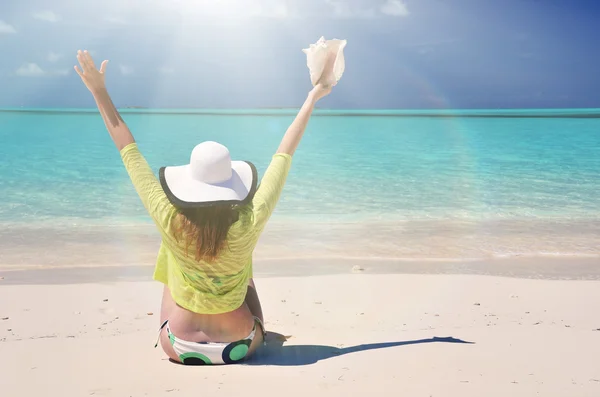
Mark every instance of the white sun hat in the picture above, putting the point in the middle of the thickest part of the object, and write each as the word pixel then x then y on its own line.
pixel 211 178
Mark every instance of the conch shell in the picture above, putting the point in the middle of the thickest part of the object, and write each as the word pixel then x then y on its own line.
pixel 325 61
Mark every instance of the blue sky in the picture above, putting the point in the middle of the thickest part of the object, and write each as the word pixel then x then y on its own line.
pixel 247 53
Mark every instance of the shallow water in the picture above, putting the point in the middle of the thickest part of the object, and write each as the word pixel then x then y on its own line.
pixel 381 184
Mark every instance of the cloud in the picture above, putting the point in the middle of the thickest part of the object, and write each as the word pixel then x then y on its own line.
pixel 396 8
pixel 166 70
pixel 366 9
pixel 345 9
pixel 30 70
pixel 277 11
pixel 116 20
pixel 47 16
pixel 53 57
pixel 126 70
pixel 240 9
pixel 6 28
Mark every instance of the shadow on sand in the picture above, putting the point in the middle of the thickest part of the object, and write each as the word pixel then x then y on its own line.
pixel 275 353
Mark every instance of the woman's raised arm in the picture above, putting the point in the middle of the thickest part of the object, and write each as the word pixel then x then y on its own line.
pixel 294 133
pixel 94 81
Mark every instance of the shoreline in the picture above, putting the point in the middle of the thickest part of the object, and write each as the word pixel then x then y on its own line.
pixel 391 246
pixel 525 268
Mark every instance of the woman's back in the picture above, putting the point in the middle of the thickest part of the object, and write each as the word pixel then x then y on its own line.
pixel 206 287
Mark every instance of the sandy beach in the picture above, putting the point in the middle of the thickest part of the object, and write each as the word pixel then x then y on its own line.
pixel 347 334
pixel 436 234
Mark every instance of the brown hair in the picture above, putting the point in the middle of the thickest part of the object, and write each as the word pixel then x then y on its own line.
pixel 205 229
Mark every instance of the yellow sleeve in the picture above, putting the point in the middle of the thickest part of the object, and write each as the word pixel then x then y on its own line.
pixel 268 192
pixel 148 187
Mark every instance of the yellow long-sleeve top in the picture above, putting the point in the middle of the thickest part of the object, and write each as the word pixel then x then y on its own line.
pixel 201 287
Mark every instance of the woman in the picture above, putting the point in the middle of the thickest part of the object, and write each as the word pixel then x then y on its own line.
pixel 210 214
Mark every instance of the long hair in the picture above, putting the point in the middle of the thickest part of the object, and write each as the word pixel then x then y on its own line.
pixel 205 229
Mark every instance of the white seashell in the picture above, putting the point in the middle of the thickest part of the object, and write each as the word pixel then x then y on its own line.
pixel 317 57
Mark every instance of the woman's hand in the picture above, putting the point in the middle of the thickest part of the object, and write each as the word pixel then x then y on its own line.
pixel 91 77
pixel 326 81
pixel 319 91
pixel 94 81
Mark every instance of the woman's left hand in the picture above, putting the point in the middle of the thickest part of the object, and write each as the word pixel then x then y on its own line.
pixel 91 77
pixel 320 91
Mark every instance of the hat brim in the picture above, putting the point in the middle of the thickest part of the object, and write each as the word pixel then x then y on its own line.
pixel 186 192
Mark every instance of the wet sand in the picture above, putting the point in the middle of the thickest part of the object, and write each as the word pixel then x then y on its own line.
pixel 416 241
pixel 548 268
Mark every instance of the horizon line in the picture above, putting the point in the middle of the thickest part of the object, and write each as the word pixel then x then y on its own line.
pixel 290 111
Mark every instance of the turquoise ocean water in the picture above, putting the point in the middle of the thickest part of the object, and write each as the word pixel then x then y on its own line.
pixel 527 173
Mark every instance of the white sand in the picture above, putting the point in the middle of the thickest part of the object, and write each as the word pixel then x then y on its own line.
pixel 530 337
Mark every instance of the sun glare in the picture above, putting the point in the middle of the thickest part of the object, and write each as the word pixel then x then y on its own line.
pixel 232 8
